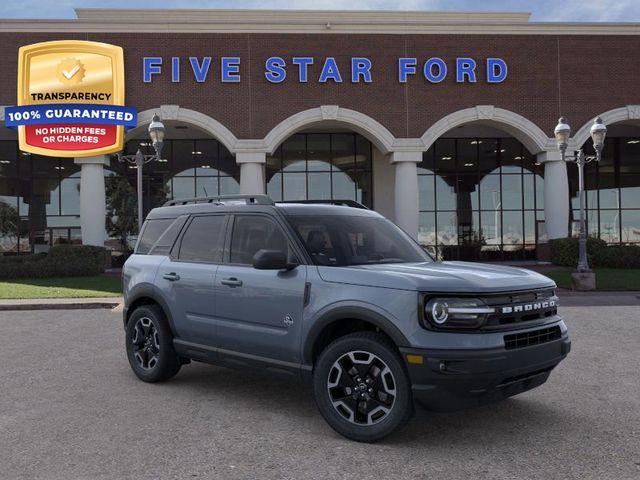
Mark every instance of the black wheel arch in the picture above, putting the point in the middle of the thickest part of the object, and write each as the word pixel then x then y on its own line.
pixel 146 295
pixel 334 317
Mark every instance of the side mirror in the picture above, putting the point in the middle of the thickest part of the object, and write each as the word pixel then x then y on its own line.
pixel 271 260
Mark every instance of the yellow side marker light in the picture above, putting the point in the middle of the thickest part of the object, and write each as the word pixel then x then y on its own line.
pixel 415 359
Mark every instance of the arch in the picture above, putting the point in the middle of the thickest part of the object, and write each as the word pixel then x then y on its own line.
pixel 622 114
pixel 197 119
pixel 527 132
pixel 382 138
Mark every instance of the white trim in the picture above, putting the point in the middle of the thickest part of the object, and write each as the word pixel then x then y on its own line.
pixel 622 114
pixel 359 122
pixel 200 120
pixel 531 136
pixel 310 21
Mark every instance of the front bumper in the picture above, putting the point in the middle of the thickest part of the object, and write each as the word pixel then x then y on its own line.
pixel 451 379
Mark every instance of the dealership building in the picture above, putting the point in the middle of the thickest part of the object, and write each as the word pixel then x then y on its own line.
pixel 442 122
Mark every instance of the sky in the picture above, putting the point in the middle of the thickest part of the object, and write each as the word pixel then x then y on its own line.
pixel 542 10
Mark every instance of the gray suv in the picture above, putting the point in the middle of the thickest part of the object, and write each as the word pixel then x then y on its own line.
pixel 336 295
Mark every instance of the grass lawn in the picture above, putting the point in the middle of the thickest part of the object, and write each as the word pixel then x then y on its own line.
pixel 69 287
pixel 610 279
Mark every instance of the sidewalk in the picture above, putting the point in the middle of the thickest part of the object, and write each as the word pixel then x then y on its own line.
pixel 570 298
pixel 59 303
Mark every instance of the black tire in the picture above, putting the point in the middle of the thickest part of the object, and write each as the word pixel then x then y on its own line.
pixel 151 355
pixel 339 402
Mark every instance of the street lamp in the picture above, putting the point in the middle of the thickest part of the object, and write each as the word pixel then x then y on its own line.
pixel 156 133
pixel 562 133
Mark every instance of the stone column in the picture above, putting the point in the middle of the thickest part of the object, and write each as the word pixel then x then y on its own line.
pixel 93 209
pixel 556 194
pixel 251 172
pixel 406 190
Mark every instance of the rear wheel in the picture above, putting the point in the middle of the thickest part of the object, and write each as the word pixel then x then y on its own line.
pixel 150 345
pixel 362 388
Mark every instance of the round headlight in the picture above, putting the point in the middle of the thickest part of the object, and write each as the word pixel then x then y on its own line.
pixel 439 311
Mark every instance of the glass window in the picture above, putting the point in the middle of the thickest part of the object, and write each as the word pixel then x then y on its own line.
pixel 426 192
pixel 151 231
pixel 203 241
pixel 319 152
pixel 356 240
pixel 321 166
pixel 252 233
pixel 163 245
pixel 630 222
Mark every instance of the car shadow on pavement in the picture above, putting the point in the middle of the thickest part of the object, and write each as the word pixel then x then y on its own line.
pixel 500 422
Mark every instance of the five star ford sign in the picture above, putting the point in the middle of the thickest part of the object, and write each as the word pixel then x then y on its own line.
pixel 70 99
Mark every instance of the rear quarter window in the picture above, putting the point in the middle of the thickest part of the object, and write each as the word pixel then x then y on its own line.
pixel 151 232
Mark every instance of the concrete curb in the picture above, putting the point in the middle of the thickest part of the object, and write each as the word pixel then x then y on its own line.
pixel 59 304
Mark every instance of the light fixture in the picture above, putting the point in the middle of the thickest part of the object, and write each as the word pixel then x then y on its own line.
pixel 156 133
pixel 598 132
pixel 476 142
pixel 468 164
pixel 447 158
pixel 205 166
pixel 5 161
pixel 58 168
pixel 632 142
pixel 517 158
pixel 562 133
pixel 196 152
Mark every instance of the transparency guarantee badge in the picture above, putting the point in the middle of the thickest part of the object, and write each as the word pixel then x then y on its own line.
pixel 71 99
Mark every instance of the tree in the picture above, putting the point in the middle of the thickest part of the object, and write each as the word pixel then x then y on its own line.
pixel 9 221
pixel 122 216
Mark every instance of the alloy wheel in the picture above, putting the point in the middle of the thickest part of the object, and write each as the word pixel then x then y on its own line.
pixel 146 343
pixel 361 387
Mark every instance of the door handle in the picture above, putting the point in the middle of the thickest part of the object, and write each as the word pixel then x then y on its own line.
pixel 172 277
pixel 231 282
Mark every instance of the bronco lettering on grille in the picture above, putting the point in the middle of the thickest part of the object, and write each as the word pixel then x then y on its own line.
pixel 529 307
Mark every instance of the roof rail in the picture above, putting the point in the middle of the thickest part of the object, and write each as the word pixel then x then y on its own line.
pixel 344 203
pixel 221 199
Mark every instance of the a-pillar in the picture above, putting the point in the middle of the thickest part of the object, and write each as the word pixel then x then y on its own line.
pixel 251 172
pixel 406 190
pixel 556 194
pixel 93 208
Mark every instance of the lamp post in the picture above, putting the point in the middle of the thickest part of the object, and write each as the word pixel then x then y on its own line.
pixel 562 133
pixel 156 133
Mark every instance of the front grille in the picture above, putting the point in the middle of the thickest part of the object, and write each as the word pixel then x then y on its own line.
pixel 535 337
pixel 519 307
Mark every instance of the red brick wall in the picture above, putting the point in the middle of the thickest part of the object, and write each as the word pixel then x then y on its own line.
pixel 578 76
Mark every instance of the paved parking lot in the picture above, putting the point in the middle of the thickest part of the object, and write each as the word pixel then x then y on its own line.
pixel 71 409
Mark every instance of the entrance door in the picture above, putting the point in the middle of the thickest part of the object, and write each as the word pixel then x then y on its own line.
pixel 259 312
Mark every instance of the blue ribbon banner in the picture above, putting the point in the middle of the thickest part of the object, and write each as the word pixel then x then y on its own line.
pixel 70 113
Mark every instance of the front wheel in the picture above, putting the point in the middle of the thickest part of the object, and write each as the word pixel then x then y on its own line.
pixel 150 345
pixel 362 388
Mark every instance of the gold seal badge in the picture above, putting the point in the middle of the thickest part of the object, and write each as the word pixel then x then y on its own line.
pixel 70 71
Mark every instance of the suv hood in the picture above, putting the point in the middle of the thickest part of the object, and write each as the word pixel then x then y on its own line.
pixel 460 277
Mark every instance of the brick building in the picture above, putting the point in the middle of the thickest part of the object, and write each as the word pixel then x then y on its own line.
pixel 443 122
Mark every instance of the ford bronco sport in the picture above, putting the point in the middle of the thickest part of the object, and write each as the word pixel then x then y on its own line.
pixel 338 296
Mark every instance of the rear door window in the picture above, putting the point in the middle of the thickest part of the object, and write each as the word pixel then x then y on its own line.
pixel 151 232
pixel 203 241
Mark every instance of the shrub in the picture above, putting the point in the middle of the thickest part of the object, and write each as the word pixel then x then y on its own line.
pixel 564 252
pixel 61 261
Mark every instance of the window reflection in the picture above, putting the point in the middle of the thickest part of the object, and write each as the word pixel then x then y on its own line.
pixel 612 190
pixel 479 199
pixel 321 166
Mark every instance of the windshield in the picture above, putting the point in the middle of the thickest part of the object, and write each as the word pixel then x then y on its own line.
pixel 341 241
